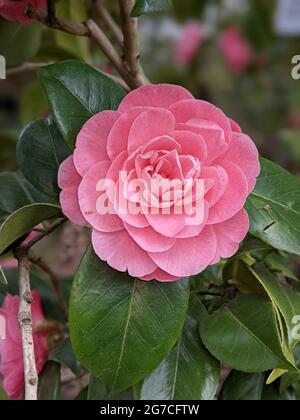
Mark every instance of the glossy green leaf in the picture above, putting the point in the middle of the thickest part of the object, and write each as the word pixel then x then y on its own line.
pixel 63 353
pixel 40 150
pixel 143 7
pixel 283 297
pixel 121 327
pixel 245 336
pixel 75 92
pixel 188 373
pixel 19 43
pixel 74 11
pixel 274 208
pixel 25 220
pixel 49 383
pixel 99 392
pixel 241 386
pixel 17 192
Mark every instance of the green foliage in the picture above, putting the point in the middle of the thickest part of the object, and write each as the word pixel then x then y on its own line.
pixel 114 319
pixel 41 147
pixel 274 208
pixel 75 92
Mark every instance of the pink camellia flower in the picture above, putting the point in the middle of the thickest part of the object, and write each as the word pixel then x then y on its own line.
pixel 11 353
pixel 189 43
pixel 161 133
pixel 14 9
pixel 236 49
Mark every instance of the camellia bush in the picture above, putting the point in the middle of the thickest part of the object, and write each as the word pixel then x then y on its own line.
pixel 186 290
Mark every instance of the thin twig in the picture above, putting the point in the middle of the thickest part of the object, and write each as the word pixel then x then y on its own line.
pixel 109 21
pixel 110 52
pixel 55 282
pixel 47 232
pixel 25 322
pixel 74 28
pixel 131 43
pixel 26 68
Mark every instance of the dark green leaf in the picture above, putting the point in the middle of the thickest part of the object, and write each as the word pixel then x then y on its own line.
pixel 75 92
pixel 25 220
pixel 143 7
pixel 40 151
pixel 63 353
pixel 98 392
pixel 17 192
pixel 188 373
pixel 121 327
pixel 241 386
pixel 274 208
pixel 245 336
pixel 49 383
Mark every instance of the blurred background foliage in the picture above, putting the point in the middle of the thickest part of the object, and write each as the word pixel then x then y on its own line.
pixel 263 97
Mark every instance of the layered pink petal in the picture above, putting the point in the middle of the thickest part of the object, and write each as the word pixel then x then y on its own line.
pixel 122 253
pixel 188 256
pixel 92 140
pixel 150 240
pixel 230 234
pixel 160 275
pixel 193 110
pixel 243 152
pixel 118 137
pixel 234 197
pixel 94 202
pixel 161 96
pixel 148 125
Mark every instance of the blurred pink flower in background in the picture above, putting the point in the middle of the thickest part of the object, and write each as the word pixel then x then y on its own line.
pixel 236 49
pixel 14 10
pixel 189 43
pixel 11 353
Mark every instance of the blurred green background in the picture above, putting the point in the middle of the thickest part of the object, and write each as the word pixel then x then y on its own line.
pixel 263 97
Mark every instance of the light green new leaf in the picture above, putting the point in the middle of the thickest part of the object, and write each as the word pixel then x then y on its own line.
pixel 244 335
pixel 25 220
pixel 75 92
pixel 274 208
pixel 40 150
pixel 283 297
pixel 122 328
pixel 188 373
